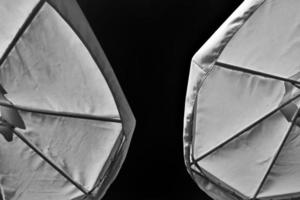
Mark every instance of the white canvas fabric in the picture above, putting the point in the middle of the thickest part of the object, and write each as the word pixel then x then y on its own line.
pixel 58 78
pixel 12 17
pixel 241 133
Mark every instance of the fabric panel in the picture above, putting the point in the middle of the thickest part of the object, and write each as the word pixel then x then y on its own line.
pixel 202 63
pixel 228 102
pixel 214 46
pixel 71 12
pixel 12 16
pixel 204 59
pixel 51 69
pixel 243 162
pixel 269 41
pixel 284 177
pixel 79 147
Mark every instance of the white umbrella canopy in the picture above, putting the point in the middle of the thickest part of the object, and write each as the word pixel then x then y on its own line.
pixel 65 122
pixel 242 131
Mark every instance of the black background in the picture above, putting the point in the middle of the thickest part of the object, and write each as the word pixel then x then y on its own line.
pixel 150 44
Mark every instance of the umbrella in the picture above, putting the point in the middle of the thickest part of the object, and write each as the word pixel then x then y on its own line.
pixel 65 124
pixel 241 125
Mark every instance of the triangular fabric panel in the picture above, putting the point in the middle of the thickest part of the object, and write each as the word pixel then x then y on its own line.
pixel 51 69
pixel 225 105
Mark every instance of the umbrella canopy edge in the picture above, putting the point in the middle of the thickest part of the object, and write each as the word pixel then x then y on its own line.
pixel 202 64
pixel 70 11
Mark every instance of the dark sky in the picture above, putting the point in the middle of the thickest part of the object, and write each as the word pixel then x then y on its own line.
pixel 150 44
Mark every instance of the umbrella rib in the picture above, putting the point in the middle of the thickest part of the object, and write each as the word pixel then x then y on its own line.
pixel 249 71
pixel 294 119
pixel 61 114
pixel 245 129
pixel 64 174
pixel 194 162
pixel 20 32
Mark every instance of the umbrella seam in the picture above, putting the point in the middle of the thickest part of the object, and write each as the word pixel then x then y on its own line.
pixel 61 114
pixel 253 72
